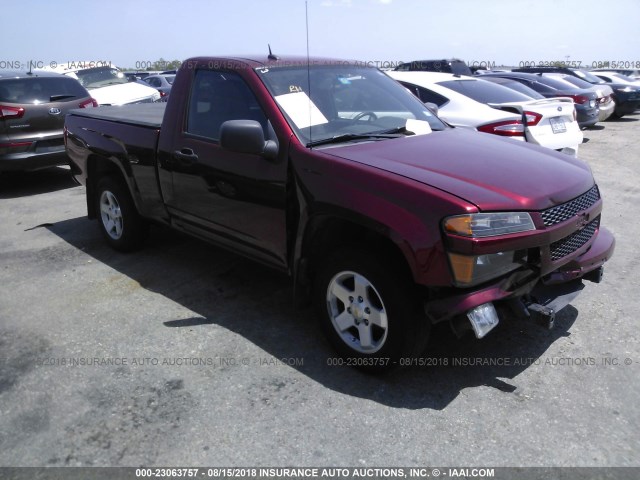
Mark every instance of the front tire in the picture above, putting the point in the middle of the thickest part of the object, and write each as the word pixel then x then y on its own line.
pixel 369 311
pixel 119 221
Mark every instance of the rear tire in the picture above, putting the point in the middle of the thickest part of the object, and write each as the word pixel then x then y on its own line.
pixel 369 311
pixel 119 221
pixel 616 113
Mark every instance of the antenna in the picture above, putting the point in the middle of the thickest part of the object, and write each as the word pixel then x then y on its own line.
pixel 306 18
pixel 271 55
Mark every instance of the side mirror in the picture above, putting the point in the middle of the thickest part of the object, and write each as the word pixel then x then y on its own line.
pixel 247 136
pixel 433 108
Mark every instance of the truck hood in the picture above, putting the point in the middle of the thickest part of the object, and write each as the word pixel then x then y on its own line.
pixel 491 172
pixel 124 93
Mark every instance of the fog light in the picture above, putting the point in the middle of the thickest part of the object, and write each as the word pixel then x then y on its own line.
pixel 483 319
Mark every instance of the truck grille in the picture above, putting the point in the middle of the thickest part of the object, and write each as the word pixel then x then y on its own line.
pixel 573 242
pixel 563 212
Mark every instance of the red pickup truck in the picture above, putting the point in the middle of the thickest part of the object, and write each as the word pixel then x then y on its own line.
pixel 387 219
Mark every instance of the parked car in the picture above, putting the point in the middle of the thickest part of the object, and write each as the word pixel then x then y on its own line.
pixel 575 72
pixel 615 77
pixel 32 110
pixel 335 174
pixel 137 76
pixel 626 92
pixel 604 92
pixel 462 101
pixel 108 85
pixel 452 65
pixel 162 83
pixel 514 85
pixel 132 76
pixel 635 74
pixel 460 111
pixel 585 100
pixel 626 98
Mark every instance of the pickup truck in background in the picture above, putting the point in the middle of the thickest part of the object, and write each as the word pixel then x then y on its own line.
pixel 386 218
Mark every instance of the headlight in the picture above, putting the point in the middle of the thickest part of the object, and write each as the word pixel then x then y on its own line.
pixel 488 224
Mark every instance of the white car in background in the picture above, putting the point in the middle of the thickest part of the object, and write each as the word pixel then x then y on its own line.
pixel 107 84
pixel 616 77
pixel 605 93
pixel 471 102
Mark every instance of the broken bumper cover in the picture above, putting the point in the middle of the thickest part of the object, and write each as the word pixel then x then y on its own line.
pixel 601 250
pixel 587 266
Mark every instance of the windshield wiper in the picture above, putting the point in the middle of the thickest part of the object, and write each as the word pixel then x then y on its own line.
pixel 402 129
pixel 347 137
pixel 54 98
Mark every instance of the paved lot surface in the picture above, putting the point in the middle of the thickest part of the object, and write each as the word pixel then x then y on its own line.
pixel 183 354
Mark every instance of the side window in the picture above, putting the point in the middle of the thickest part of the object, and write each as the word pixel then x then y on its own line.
pixel 217 97
pixel 425 95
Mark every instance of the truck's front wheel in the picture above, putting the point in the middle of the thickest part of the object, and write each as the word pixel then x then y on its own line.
pixel 119 221
pixel 369 312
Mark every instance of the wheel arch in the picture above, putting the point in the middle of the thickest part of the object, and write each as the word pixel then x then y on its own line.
pixel 331 230
pixel 99 167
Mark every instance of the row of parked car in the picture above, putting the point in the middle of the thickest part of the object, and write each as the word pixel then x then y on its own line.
pixel 161 81
pixel 33 105
pixel 544 106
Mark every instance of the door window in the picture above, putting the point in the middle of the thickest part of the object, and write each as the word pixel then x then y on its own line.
pixel 217 97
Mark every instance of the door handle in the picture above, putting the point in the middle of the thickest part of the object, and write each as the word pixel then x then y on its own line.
pixel 185 156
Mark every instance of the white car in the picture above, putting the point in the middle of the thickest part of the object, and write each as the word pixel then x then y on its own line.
pixel 107 84
pixel 616 77
pixel 605 93
pixel 471 102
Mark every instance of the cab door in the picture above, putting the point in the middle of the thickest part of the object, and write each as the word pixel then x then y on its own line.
pixel 231 198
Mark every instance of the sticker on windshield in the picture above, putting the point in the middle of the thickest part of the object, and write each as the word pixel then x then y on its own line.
pixel 418 127
pixel 301 109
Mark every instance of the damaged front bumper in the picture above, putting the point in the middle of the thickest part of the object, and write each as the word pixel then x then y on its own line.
pixel 526 292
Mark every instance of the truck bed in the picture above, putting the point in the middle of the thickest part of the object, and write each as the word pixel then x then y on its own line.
pixel 144 114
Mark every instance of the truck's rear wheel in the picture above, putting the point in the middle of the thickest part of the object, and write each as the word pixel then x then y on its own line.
pixel 119 221
pixel 369 311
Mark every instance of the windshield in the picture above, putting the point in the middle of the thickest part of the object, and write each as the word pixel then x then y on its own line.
pixel 621 78
pixel 588 77
pixel 519 87
pixel 485 92
pixel 344 101
pixel 558 83
pixel 100 77
pixel 576 81
pixel 170 78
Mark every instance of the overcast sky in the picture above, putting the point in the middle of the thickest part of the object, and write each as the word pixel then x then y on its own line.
pixel 133 33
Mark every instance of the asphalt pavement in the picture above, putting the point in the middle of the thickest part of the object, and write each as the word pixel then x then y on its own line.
pixel 183 354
